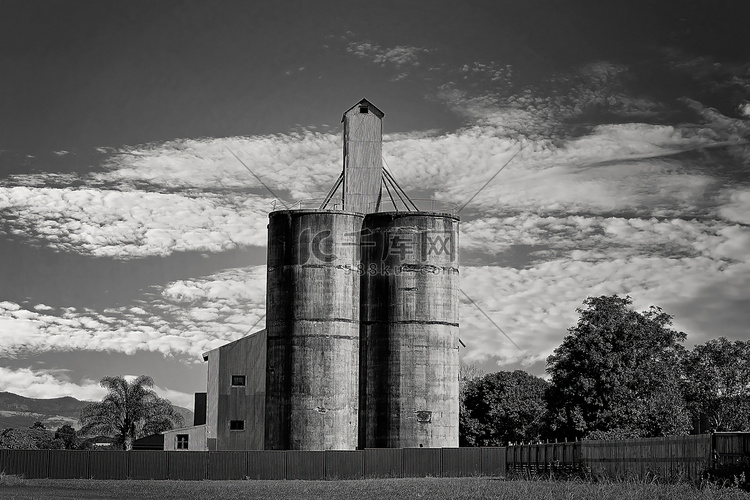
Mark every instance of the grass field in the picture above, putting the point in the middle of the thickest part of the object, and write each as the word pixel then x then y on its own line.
pixel 412 488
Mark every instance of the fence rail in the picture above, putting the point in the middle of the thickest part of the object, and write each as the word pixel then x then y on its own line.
pixel 669 459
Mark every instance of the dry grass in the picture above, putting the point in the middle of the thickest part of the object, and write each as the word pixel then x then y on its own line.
pixel 412 488
pixel 10 479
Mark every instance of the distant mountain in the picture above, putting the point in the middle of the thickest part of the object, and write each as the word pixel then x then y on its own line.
pixel 19 411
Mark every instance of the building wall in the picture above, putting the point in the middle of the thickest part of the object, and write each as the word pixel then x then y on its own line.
pixel 225 403
pixel 196 438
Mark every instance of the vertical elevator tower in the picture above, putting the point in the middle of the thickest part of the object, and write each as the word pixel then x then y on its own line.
pixel 362 312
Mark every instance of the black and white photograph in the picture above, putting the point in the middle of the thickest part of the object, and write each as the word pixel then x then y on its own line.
pixel 396 249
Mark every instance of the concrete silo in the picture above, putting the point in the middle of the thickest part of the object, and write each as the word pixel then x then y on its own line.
pixel 362 313
pixel 409 330
pixel 313 302
pixel 312 324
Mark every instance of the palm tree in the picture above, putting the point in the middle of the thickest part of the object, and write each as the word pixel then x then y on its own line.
pixel 129 411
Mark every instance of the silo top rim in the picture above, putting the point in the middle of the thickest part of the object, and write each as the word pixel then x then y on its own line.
pixel 308 211
pixel 403 213
pixel 364 102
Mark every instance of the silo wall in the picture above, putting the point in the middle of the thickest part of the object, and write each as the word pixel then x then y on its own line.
pixel 312 323
pixel 409 330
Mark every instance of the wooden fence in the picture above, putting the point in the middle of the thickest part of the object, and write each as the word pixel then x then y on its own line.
pixel 671 458
pixel 544 457
pixel 674 458
pixel 198 465
pixel 666 459
pixel 731 449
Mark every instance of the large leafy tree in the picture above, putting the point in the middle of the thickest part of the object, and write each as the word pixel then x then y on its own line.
pixel 501 407
pixel 618 372
pixel 130 410
pixel 718 385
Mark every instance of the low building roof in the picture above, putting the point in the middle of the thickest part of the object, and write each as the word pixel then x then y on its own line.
pixel 205 354
pixel 183 428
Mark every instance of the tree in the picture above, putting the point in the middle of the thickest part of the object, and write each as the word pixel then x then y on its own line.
pixel 29 438
pixel 466 373
pixel 67 435
pixel 501 407
pixel 129 411
pixel 718 385
pixel 618 372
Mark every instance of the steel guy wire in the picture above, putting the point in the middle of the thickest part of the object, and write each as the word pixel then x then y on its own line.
pixel 259 179
pixel 491 321
pixel 490 180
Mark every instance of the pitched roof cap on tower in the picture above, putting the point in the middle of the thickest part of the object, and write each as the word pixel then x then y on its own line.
pixel 364 102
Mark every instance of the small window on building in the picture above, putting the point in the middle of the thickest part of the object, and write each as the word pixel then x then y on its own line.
pixel 236 425
pixel 363 109
pixel 182 441
pixel 238 380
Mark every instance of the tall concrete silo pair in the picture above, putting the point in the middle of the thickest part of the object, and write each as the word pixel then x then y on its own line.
pixel 361 315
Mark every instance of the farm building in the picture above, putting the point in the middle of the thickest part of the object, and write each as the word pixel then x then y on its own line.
pixel 360 348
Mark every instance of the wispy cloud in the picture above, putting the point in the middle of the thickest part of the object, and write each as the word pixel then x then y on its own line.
pixel 736 206
pixel 47 384
pixel 183 318
pixel 126 224
pixel 596 238
pixel 536 305
pixel 399 55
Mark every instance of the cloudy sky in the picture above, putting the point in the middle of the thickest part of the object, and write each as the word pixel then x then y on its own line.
pixel 131 240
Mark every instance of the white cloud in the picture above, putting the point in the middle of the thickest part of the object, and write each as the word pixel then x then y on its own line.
pixel 534 111
pixel 186 317
pixel 535 306
pixel 294 165
pixel 617 167
pixel 614 168
pixel 107 223
pixel 47 384
pixel 603 238
pixel 736 208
